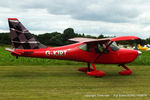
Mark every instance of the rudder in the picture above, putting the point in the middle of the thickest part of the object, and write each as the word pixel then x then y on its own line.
pixel 21 38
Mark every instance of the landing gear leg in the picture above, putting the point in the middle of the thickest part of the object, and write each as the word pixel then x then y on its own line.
pixel 96 73
pixel 86 69
pixel 89 69
pixel 125 72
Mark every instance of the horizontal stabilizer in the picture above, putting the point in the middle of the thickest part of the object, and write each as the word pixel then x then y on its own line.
pixel 13 51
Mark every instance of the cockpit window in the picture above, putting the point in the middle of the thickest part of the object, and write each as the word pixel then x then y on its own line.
pixel 114 47
pixel 85 47
pixel 99 48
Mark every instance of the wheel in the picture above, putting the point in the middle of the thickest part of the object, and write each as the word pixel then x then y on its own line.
pixel 96 73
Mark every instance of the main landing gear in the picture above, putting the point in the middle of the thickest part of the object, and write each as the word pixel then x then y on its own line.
pixel 125 72
pixel 98 73
pixel 92 71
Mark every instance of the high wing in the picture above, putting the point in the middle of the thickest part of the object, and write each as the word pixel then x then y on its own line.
pixel 89 40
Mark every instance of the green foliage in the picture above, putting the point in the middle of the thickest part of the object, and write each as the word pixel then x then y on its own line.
pixel 59 39
pixel 5 38
pixel 143 59
pixel 101 36
pixel 68 33
pixel 46 38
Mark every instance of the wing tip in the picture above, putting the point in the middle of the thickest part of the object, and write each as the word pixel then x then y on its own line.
pixel 125 38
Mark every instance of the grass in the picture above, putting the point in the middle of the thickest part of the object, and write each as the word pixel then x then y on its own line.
pixel 143 59
pixel 47 79
pixel 66 83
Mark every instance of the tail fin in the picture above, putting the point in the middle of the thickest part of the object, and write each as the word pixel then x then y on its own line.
pixel 21 38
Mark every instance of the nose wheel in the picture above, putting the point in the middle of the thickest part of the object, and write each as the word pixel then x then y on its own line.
pixel 125 72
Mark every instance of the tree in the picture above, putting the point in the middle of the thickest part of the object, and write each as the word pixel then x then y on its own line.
pixel 46 38
pixel 5 38
pixel 101 36
pixel 57 40
pixel 67 34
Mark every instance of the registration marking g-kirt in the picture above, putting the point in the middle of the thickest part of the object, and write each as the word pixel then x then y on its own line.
pixel 56 53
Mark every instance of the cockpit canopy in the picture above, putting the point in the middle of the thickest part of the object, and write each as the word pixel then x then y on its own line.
pixel 99 48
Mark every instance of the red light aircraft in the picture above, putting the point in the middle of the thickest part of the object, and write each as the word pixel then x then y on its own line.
pixel 91 51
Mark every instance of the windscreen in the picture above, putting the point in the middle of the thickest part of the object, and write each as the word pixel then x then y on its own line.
pixel 114 47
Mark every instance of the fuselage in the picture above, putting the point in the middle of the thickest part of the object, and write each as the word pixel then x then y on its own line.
pixel 76 52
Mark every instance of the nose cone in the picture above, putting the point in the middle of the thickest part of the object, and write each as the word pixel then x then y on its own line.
pixel 127 55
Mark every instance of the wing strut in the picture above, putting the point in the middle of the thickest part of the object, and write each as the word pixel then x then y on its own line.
pixel 103 51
